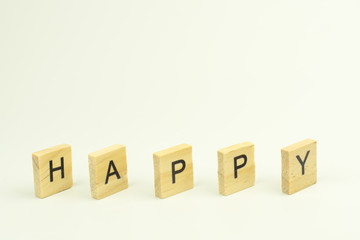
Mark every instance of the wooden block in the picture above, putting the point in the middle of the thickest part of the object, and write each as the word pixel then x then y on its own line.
pixel 298 166
pixel 236 168
pixel 173 170
pixel 52 169
pixel 108 171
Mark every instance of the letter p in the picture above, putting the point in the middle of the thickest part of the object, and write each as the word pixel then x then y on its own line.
pixel 174 172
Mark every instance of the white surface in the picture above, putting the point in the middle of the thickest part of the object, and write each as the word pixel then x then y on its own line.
pixel 153 74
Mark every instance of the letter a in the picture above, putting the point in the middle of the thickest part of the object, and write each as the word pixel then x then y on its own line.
pixel 115 172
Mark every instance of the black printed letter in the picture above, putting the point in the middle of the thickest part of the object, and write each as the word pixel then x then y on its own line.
pixel 111 164
pixel 303 163
pixel 56 169
pixel 236 167
pixel 177 171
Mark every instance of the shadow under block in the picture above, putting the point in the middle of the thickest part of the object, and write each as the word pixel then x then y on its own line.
pixel 173 170
pixel 298 166
pixel 52 170
pixel 108 171
pixel 236 168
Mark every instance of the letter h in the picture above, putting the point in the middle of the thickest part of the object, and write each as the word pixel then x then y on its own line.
pixel 52 170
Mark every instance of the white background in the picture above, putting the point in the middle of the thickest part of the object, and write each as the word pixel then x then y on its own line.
pixel 154 74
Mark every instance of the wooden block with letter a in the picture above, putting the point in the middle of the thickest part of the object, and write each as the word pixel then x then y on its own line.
pixel 52 169
pixel 298 166
pixel 173 170
pixel 108 171
pixel 236 168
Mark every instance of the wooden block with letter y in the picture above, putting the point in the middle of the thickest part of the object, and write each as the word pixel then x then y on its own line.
pixel 52 169
pixel 236 168
pixel 298 166
pixel 173 170
pixel 108 171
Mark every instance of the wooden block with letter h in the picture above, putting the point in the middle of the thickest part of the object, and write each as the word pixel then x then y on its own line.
pixel 298 166
pixel 52 169
pixel 108 171
pixel 236 168
pixel 173 170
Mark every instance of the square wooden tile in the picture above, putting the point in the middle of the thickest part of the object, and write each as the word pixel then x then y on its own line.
pixel 108 171
pixel 173 170
pixel 236 168
pixel 52 169
pixel 298 166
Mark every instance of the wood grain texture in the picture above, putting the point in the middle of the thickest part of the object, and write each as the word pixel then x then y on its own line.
pixel 166 163
pixel 48 177
pixel 298 173
pixel 108 171
pixel 244 177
